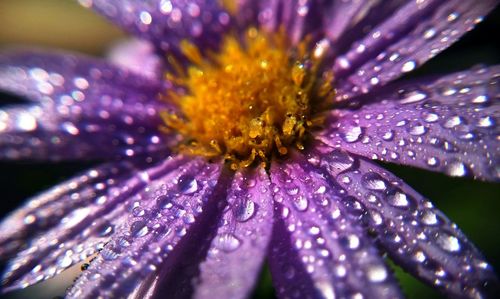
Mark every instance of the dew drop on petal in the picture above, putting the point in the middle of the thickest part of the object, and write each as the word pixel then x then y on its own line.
pixel 376 273
pixel 350 133
pixel 244 210
pixel 456 168
pixel 227 242
pixel 448 242
pixel 408 66
pixel 187 184
pixel 139 229
pixel 413 97
pixel 428 217
pixel 373 181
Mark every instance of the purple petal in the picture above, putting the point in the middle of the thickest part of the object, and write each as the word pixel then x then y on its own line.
pixel 46 210
pixel 418 31
pixel 88 212
pixel 42 75
pixel 446 125
pixel 348 21
pixel 168 213
pixel 138 56
pixel 85 108
pixel 166 23
pixel 241 241
pixel 299 18
pixel 318 250
pixel 415 234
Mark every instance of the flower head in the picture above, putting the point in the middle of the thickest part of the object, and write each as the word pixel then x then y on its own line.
pixel 241 131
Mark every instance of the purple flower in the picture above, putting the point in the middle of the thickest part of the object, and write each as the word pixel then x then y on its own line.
pixel 242 131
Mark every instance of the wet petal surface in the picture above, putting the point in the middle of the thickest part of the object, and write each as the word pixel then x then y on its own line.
pixel 83 108
pixel 318 249
pixel 170 211
pixel 415 33
pixel 166 23
pixel 416 235
pixel 71 223
pixel 447 125
pixel 237 251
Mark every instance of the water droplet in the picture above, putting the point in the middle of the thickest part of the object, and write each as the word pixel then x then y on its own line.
pixel 139 229
pixel 165 201
pixel 430 117
pixel 244 210
pixel 138 212
pixel 351 242
pixel 418 130
pixel 388 136
pixel 187 184
pixel 408 66
pixel 485 122
pixel 314 230
pixel 448 242
pixel 340 160
pixel 456 168
pixel 376 273
pixel 65 261
pixel 227 242
pixel 432 161
pixel 351 133
pixel 292 190
pixel 373 181
pixel 300 203
pixel 106 229
pixel 428 217
pixel 398 199
pixel 453 122
pixel 413 97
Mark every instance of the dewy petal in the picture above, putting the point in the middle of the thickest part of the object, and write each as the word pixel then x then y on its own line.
pixel 297 17
pixel 236 253
pixel 139 56
pixel 84 108
pixel 166 215
pixel 347 21
pixel 46 210
pixel 318 250
pixel 167 22
pixel 418 31
pixel 70 223
pixel 42 75
pixel 448 125
pixel 416 235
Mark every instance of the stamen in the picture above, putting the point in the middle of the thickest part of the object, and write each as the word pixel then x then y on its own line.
pixel 256 97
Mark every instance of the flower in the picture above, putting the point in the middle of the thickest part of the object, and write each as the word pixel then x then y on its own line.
pixel 195 214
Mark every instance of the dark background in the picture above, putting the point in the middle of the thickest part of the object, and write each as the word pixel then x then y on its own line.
pixel 474 206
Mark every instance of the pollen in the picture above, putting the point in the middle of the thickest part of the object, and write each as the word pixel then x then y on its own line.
pixel 256 97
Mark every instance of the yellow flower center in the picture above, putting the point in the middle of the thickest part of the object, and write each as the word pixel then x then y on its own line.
pixel 255 98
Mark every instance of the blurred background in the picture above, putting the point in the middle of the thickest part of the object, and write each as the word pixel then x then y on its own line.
pixel 474 206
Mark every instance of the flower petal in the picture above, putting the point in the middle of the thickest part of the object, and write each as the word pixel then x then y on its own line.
pixel 70 223
pixel 241 242
pixel 139 56
pixel 169 212
pixel 318 250
pixel 418 31
pixel 447 125
pixel 416 235
pixel 167 23
pixel 298 17
pixel 42 75
pixel 85 108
